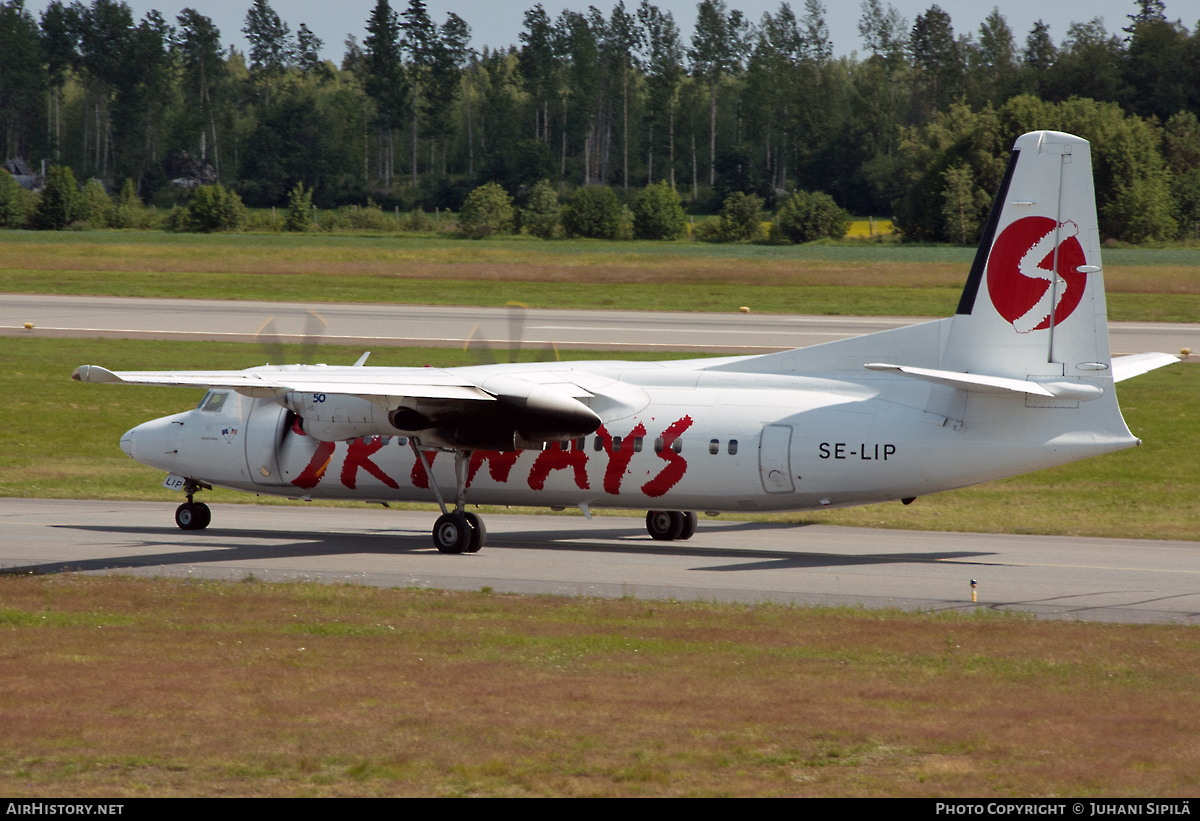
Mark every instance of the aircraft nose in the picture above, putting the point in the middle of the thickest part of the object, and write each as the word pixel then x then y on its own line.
pixel 127 442
pixel 153 443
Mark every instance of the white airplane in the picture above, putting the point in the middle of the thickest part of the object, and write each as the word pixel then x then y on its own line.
pixel 1019 379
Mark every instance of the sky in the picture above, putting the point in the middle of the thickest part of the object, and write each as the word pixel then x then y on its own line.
pixel 498 24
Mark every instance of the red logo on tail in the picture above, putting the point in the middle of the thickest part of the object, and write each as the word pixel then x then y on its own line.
pixel 1020 268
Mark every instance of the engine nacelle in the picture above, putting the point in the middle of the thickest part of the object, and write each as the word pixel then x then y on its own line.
pixel 522 415
pixel 337 417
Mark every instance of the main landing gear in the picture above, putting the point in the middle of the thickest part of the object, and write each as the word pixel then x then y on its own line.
pixel 455 531
pixel 670 525
pixel 192 515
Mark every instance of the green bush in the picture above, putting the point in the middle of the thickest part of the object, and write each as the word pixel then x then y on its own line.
pixel 129 211
pixel 212 208
pixel 658 213
pixel 17 205
pixel 740 216
pixel 593 212
pixel 60 195
pixel 542 215
pixel 369 217
pixel 810 215
pixel 708 230
pixel 488 210
pixel 94 206
pixel 1142 209
pixel 178 219
pixel 417 222
pixel 264 221
pixel 300 213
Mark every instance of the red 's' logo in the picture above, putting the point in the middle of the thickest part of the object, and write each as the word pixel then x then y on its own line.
pixel 1021 265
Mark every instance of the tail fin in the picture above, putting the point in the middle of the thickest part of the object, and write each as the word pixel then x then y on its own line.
pixel 1034 304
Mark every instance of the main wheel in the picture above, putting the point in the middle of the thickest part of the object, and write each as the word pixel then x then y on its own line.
pixel 478 533
pixel 689 525
pixel 451 533
pixel 192 516
pixel 664 525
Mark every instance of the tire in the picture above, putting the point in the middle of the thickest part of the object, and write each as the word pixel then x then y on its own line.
pixel 689 525
pixel 451 533
pixel 664 525
pixel 478 533
pixel 192 516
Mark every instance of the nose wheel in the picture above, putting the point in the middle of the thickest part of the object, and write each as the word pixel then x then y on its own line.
pixel 193 516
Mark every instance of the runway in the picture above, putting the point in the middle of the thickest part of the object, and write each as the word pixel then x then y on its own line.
pixel 1088 579
pixel 368 325
pixel 1115 580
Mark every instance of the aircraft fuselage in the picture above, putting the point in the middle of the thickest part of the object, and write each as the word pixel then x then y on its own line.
pixel 720 444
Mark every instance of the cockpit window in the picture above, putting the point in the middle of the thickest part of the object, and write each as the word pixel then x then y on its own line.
pixel 214 402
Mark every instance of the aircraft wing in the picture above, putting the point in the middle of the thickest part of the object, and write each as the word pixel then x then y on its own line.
pixel 1127 367
pixel 483 408
pixel 253 382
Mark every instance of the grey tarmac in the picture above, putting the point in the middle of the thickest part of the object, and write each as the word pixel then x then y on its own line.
pixel 1088 579
pixel 371 325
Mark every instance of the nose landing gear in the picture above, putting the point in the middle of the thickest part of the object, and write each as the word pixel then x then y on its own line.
pixel 192 515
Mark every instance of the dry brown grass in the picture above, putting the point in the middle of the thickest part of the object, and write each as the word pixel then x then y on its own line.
pixel 124 687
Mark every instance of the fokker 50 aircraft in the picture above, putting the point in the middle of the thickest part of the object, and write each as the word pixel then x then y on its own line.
pixel 1018 379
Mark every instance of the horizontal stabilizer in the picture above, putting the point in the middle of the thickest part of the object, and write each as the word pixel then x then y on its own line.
pixel 980 383
pixel 1127 367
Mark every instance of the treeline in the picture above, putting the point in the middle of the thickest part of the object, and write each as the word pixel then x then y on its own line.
pixel 917 127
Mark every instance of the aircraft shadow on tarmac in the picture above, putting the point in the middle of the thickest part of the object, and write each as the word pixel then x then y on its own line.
pixel 228 545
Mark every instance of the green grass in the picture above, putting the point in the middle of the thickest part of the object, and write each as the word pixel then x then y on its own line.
pixel 61 442
pixel 830 300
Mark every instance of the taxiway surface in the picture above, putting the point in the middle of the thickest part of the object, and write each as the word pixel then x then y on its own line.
pixel 1119 580
pixel 368 325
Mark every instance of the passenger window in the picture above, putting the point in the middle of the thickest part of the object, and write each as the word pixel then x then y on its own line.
pixel 677 446
pixel 598 445
pixel 616 444
pixel 714 446
pixel 658 445
pixel 732 447
pixel 637 444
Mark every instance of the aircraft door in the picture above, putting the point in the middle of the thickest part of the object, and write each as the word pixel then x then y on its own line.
pixel 774 459
pixel 264 432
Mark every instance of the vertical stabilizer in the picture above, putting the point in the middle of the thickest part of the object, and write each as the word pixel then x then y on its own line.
pixel 1034 302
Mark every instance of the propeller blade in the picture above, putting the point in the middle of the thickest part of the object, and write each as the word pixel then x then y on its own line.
pixel 479 348
pixel 516 329
pixel 268 336
pixel 314 328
